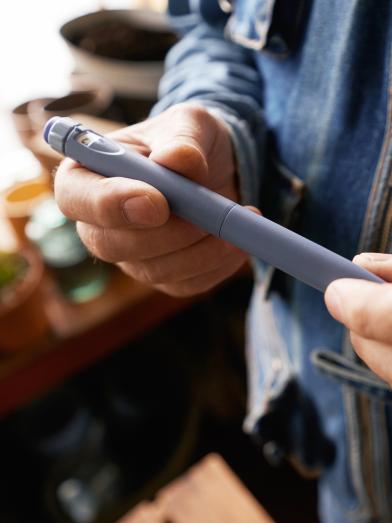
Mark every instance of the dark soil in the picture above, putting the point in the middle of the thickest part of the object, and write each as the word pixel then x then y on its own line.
pixel 120 40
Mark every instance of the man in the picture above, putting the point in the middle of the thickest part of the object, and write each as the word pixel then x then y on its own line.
pixel 283 105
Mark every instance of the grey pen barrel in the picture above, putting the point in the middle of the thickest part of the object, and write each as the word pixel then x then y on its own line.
pixel 188 200
pixel 305 260
pixel 256 235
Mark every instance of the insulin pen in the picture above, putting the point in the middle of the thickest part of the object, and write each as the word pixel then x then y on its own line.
pixel 262 238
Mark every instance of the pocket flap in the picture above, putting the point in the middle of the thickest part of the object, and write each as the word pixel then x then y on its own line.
pixel 271 25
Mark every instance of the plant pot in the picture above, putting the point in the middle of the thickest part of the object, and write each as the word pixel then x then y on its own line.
pixel 87 97
pixel 23 320
pixel 124 48
pixel 25 126
pixel 19 202
pixel 79 277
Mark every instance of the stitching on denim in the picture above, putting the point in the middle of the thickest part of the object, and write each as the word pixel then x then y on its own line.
pixel 353 441
pixel 382 489
pixel 350 396
pixel 377 409
pixel 372 208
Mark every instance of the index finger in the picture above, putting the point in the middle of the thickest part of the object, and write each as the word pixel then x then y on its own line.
pixel 364 307
pixel 108 202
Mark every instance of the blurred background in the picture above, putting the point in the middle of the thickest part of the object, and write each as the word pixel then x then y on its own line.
pixel 36 60
pixel 109 390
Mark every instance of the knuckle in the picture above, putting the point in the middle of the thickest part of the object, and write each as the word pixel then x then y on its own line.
pixel 85 234
pixel 142 273
pixel 62 188
pixel 139 272
pixel 106 247
pixel 198 113
pixel 105 203
pixel 131 270
pixel 96 241
pixel 92 240
pixel 87 237
pixel 190 111
pixel 155 273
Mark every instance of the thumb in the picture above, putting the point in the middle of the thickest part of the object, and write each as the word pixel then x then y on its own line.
pixel 376 262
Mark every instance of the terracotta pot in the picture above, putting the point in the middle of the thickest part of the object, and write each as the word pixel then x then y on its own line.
pixel 102 91
pixel 23 320
pixel 19 202
pixel 131 66
pixel 21 115
pixel 87 98
pixel 47 157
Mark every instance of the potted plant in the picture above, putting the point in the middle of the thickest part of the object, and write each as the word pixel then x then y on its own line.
pixel 22 315
pixel 124 48
pixel 19 201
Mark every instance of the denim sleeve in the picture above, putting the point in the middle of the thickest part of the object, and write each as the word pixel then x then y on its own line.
pixel 209 70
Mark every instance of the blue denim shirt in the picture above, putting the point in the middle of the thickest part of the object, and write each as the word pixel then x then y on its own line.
pixel 306 89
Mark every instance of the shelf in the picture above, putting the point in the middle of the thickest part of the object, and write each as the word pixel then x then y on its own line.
pixel 209 491
pixel 81 335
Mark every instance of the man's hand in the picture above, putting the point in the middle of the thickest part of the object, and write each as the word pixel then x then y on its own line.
pixel 128 222
pixel 366 309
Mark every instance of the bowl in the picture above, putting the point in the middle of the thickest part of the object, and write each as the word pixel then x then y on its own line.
pixel 123 47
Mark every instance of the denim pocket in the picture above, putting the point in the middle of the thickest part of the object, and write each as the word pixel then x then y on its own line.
pixel 281 200
pixel 267 25
pixel 282 194
pixel 281 416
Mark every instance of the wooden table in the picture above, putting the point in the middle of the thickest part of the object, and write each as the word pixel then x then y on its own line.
pixel 81 334
pixel 209 492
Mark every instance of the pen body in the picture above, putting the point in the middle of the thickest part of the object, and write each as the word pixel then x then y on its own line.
pixel 305 260
pixel 254 234
pixel 186 199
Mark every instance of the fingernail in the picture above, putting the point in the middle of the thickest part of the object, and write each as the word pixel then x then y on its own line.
pixel 140 211
pixel 376 256
pixel 334 302
pixel 363 256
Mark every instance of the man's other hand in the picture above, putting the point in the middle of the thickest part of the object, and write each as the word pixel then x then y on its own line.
pixel 365 308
